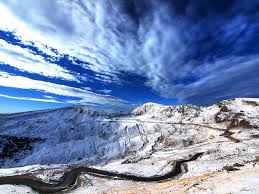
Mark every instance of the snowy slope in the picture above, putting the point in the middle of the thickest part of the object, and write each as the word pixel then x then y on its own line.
pixel 74 132
pixel 145 142
pixel 91 136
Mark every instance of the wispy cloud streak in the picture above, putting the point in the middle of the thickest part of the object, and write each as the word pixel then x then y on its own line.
pixel 85 96
pixel 23 60
pixel 30 99
pixel 182 48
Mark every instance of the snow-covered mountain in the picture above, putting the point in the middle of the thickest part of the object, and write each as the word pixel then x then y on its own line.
pixel 145 142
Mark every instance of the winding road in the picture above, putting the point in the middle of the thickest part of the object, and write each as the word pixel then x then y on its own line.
pixel 69 179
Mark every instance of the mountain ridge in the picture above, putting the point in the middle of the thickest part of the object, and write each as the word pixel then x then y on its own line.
pixel 146 142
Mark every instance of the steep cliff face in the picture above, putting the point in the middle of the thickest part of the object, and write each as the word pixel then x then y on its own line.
pixel 146 142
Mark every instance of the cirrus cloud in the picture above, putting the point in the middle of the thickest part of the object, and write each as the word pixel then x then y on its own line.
pixel 79 95
pixel 195 51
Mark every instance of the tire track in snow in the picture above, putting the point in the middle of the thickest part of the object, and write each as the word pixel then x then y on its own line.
pixel 69 179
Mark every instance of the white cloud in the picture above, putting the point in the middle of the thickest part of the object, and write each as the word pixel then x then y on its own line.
pixel 78 28
pixel 105 91
pixel 102 34
pixel 30 99
pixel 23 60
pixel 85 96
pixel 47 96
pixel 239 79
pixel 87 88
pixel 160 46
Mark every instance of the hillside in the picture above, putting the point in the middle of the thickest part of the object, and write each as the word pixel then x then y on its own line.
pixel 147 142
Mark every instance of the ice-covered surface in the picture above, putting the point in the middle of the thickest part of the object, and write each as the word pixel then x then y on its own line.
pixel 146 142
pixel 11 189
pixel 242 181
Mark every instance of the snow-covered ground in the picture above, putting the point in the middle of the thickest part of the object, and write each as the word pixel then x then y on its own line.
pixel 11 189
pixel 146 142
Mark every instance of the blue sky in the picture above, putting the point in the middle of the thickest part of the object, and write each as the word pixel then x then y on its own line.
pixel 119 54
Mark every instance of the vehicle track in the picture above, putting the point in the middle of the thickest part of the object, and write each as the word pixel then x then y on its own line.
pixel 69 179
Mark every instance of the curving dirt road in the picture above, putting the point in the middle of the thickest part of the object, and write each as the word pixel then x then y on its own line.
pixel 69 179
